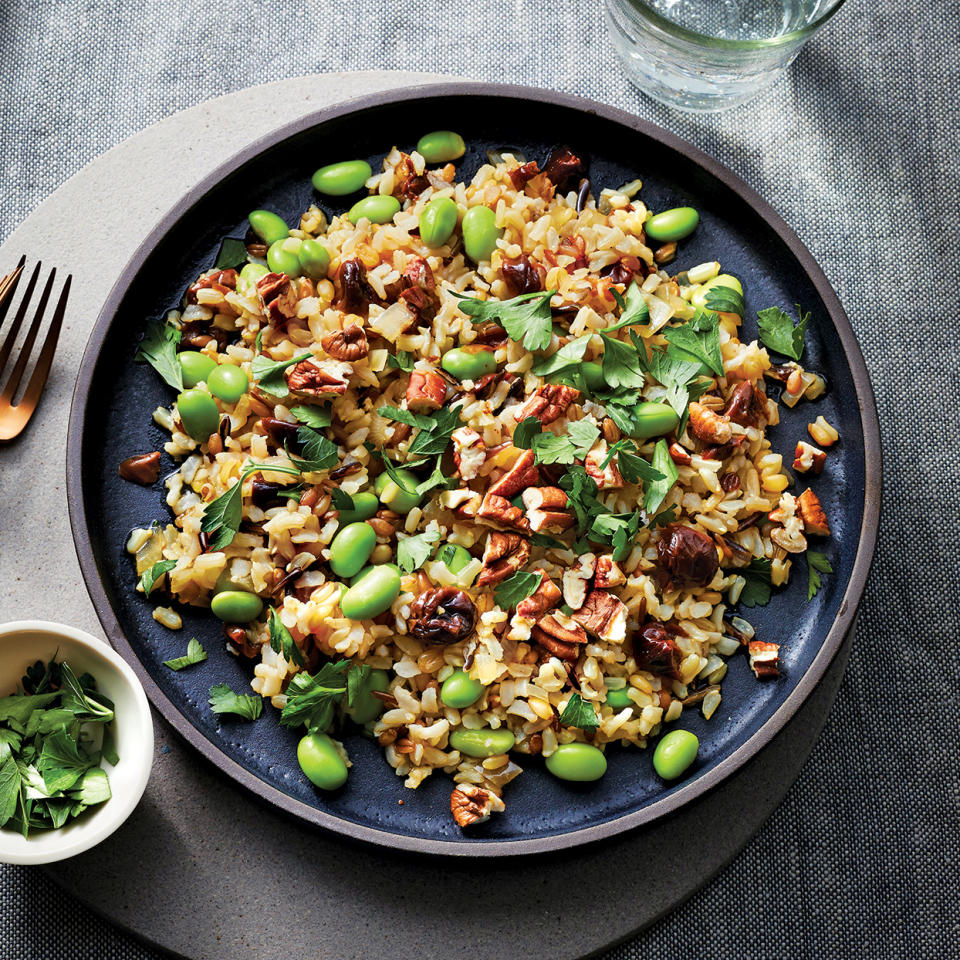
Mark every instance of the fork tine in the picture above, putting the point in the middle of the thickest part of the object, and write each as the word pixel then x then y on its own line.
pixel 11 388
pixel 39 376
pixel 8 287
pixel 18 320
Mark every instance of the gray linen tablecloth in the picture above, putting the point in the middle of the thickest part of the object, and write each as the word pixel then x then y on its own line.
pixel 857 148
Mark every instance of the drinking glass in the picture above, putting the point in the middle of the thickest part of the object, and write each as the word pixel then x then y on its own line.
pixel 711 54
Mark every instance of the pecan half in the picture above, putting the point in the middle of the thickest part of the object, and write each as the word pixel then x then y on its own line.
pixel 807 457
pixel 442 615
pixel 426 390
pixel 522 175
pixel 655 650
pixel 308 379
pixel 608 574
pixel 549 403
pixel 503 555
pixel 606 478
pixel 523 275
pixel 353 293
pixel 418 289
pixel 279 297
pixel 544 598
pixel 348 344
pixel 471 804
pixel 563 166
pixel 814 519
pixel 559 635
pixel 500 511
pixel 603 615
pixel 685 556
pixel 747 405
pixel 143 468
pixel 546 508
pixel 521 475
pixel 222 282
pixel 764 659
pixel 708 426
pixel 469 452
pixel 575 581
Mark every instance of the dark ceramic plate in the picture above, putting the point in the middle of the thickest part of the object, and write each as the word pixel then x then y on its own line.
pixel 111 419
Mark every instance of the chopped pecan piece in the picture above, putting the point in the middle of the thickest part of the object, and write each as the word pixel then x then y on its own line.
pixel 679 456
pixel 814 519
pixel 606 478
pixel 544 598
pixel 237 636
pixel 623 270
pixel 503 556
pixel 418 288
pixel 708 426
pixel 500 511
pixel 143 468
pixel 747 405
pixel 522 175
pixel 353 293
pixel 278 296
pixel 549 403
pixel 608 574
pixel 442 615
pixel 563 166
pixel 196 334
pixel 222 282
pixel 409 184
pixel 603 615
pixel 469 452
pixel 348 344
pixel 764 659
pixel 308 379
pixel 546 508
pixel 655 650
pixel 521 475
pixel 685 556
pixel 575 581
pixel 523 275
pixel 426 390
pixel 559 635
pixel 471 804
pixel 808 457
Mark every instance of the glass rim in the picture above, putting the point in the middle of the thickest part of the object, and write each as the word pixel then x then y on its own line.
pixel 703 39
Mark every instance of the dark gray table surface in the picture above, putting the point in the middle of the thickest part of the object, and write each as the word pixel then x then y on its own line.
pixel 857 148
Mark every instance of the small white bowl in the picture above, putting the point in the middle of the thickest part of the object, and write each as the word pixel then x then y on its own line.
pixel 22 643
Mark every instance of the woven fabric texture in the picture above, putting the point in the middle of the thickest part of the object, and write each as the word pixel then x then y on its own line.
pixel 857 148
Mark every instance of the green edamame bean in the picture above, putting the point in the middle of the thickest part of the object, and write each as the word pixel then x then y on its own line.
pixel 593 376
pixel 268 226
pixel 314 259
pixel 372 595
pixel 400 499
pixel 579 762
pixel 441 146
pixel 339 179
pixel 480 233
pixel 351 548
pixel 368 707
pixel 653 419
pixel 438 221
pixel 281 260
pixel 699 299
pixel 236 606
pixel 357 577
pixel 365 505
pixel 253 271
pixel 321 762
pixel 376 209
pixel 198 413
pixel 194 367
pixel 469 363
pixel 454 556
pixel 460 690
pixel 675 752
pixel 482 743
pixel 228 382
pixel 618 699
pixel 672 224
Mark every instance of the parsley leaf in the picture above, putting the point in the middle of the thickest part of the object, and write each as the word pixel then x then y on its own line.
pixel 583 434
pixel 566 359
pixel 549 448
pixel 406 416
pixel 358 682
pixel 281 640
pixel 621 364
pixel 525 432
pixel 9 788
pixel 93 787
pixel 433 440
pixel 527 318
pixel 664 517
pixel 436 479
pixel 699 337
pixel 633 310
pixel 619 530
pixel 656 490
pixel 311 700
pixel 778 332
pixel 317 417
pixel 158 347
pixel 195 654
pixel 516 588
pixel 403 360
pixel 545 540
pixel 60 763
pixel 233 253
pixel 224 515
pixel 635 469
pixel 725 300
pixel 579 713
pixel 412 553
pixel 224 700
pixel 150 577
pixel 269 373
pixel 82 699
pixel 582 492
pixel 756 593
pixel 817 563
pixel 674 369
pixel 319 452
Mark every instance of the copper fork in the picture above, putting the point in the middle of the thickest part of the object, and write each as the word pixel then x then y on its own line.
pixel 14 416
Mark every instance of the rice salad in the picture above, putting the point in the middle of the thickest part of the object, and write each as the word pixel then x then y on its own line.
pixel 471 465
